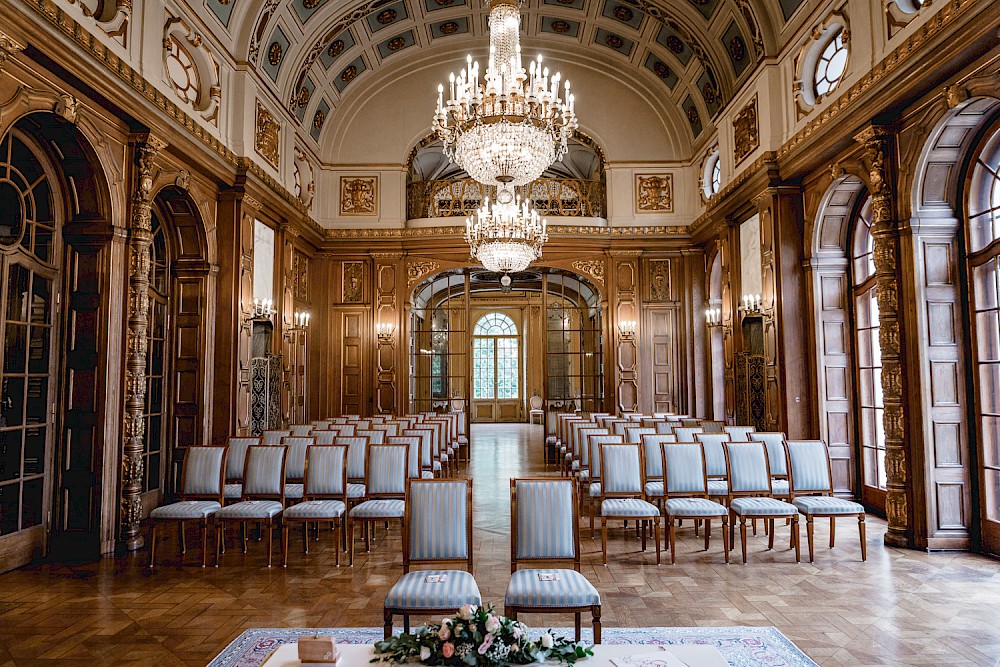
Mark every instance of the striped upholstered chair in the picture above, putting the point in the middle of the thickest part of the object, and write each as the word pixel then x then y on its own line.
pixel 325 496
pixel 652 456
pixel 235 461
pixel 685 487
pixel 750 493
pixel 777 459
pixel 201 496
pixel 715 463
pixel 622 495
pixel 414 469
pixel 357 455
pixel 811 483
pixel 687 433
pixel 437 532
pixel 263 497
pixel 545 529
pixel 385 491
pixel 739 433
pixel 295 465
pixel 274 436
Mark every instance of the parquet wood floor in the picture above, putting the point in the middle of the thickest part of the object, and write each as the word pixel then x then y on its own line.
pixel 899 608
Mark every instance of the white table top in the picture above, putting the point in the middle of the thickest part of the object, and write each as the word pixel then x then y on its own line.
pixel 360 655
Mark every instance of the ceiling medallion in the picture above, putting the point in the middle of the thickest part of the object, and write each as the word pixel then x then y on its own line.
pixel 623 14
pixel 274 53
pixel 449 28
pixel 614 41
pixel 319 119
pixel 386 17
pixel 737 49
pixel 349 73
pixel 675 44
pixel 396 43
pixel 661 69
pixel 304 94
pixel 336 48
pixel 693 116
pixel 561 27
pixel 311 4
pixel 708 92
pixel 510 126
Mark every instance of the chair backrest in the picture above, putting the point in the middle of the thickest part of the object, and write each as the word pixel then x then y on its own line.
pixel 338 420
pixel 325 437
pixel 739 433
pixel 295 463
pixel 535 402
pixel 264 473
pixel 424 437
pixel 650 422
pixel 390 429
pixel 203 473
pixel 676 419
pixel 301 430
pixel 385 473
pixel 357 455
pixel 457 405
pixel 431 436
pixel 361 424
pixel 322 424
pixel 237 457
pixel 775 443
pixel 621 470
pixel 544 521
pixel 664 427
pixel 688 422
pixel 636 417
pixel 273 437
pixel 684 470
pixel 413 442
pixel 687 433
pixel 709 426
pixel 437 524
pixel 635 433
pixel 326 472
pixel 809 467
pixel 565 427
pixel 584 436
pixel 651 446
pixel 374 437
pixel 575 442
pixel 715 455
pixel 748 471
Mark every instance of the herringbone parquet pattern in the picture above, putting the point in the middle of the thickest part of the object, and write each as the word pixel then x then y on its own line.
pixel 899 608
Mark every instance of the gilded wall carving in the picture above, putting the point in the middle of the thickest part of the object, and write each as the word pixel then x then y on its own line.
pixel 266 139
pixel 300 276
pixel 654 193
pixel 417 270
pixel 359 196
pixel 592 267
pixel 8 47
pixel 659 280
pixel 746 133
pixel 354 282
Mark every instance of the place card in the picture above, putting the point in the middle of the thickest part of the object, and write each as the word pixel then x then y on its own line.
pixel 548 576
pixel 435 578
pixel 318 651
pixel 658 659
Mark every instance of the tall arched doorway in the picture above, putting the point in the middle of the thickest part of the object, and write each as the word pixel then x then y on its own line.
pixel 496 369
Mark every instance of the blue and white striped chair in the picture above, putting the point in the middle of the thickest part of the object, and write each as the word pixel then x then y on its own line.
pixel 424 448
pixel 263 495
pixel 274 436
pixel 437 531
pixel 357 456
pixel 295 465
pixel 324 494
pixel 687 433
pixel 385 485
pixel 622 495
pixel 715 463
pixel 709 426
pixel 635 433
pixel 413 468
pixel 325 436
pixel 301 430
pixel 685 487
pixel 739 433
pixel 652 455
pixel 545 529
pixel 811 483
pixel 322 424
pixel 664 427
pixel 750 493
pixel 235 460
pixel 777 458
pixel 202 489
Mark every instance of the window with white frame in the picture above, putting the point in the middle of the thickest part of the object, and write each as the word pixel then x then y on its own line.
pixel 822 63
pixel 711 177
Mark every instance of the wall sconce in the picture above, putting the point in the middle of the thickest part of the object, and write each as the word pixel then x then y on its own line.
pixel 263 309
pixel 384 331
pixel 627 328
pixel 751 304
pixel 713 317
pixel 300 320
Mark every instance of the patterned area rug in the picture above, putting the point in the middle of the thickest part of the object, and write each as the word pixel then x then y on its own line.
pixel 741 646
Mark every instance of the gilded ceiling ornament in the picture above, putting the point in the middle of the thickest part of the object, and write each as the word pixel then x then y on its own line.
pixel 737 48
pixel 266 135
pixel 274 53
pixel 449 28
pixel 396 43
pixel 319 119
pixel 622 13
pixel 746 135
pixel 336 48
pixel 614 41
pixel 349 73
pixel 386 17
pixel 675 44
pixel 310 4
pixel 416 270
pixel 708 92
pixel 359 196
pixel 304 95
pixel 592 267
pixel 654 194
pixel 560 27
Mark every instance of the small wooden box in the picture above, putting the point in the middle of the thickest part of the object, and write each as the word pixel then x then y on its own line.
pixel 318 651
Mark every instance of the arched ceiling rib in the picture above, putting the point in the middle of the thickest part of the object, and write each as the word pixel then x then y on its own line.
pixel 314 53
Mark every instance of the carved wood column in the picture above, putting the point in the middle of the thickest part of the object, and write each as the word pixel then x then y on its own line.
pixel 8 47
pixel 879 145
pixel 624 282
pixel 146 149
pixel 388 274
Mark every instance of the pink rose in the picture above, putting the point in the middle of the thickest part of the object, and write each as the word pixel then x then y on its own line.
pixel 485 646
pixel 447 650
pixel 444 633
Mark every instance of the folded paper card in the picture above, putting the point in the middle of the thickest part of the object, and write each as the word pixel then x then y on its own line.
pixel 548 576
pixel 655 659
pixel 318 651
pixel 435 578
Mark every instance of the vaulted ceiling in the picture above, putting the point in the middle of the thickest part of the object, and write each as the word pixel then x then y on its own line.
pixel 692 55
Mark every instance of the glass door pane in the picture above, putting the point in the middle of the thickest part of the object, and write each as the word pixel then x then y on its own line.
pixel 484 364
pixel 507 368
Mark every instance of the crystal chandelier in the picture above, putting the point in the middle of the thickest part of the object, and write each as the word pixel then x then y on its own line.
pixel 508 128
pixel 506 236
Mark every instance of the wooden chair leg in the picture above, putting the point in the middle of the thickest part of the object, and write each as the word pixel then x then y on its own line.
pixel 604 540
pixel 725 537
pixel 204 543
pixel 861 531
pixel 643 530
pixel 577 626
pixel 243 528
pixel 833 529
pixel 809 536
pixel 743 537
pixel 152 544
pixel 270 532
pixel 386 623
pixel 656 538
pixel 672 530
pixel 338 526
pixel 795 536
pixel 180 537
pixel 769 527
pixel 732 530
pixel 284 544
pixel 220 536
pixel 708 533
pixel 596 611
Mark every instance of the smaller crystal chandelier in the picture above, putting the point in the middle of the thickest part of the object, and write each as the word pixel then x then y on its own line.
pixel 506 236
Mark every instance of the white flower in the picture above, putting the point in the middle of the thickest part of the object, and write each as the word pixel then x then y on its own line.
pixel 546 640
pixel 492 623
pixel 446 621
pixel 466 612
pixel 425 653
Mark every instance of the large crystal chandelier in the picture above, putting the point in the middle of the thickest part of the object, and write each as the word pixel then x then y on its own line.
pixel 509 127
pixel 506 236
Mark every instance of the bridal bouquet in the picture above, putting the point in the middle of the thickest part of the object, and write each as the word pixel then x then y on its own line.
pixel 477 637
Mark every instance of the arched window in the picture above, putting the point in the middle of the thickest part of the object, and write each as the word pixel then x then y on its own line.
pixel 711 177
pixel 495 356
pixel 831 65
pixel 983 242
pixel 155 438
pixel 822 64
pixel 495 324
pixel 868 357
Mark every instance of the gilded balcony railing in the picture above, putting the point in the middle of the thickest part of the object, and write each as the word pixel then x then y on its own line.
pixel 460 197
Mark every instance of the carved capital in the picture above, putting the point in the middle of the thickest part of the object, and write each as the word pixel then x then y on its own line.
pixel 147 147
pixel 8 47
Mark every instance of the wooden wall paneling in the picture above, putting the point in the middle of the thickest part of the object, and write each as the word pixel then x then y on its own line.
pixel 695 337
pixel 321 293
pixel 774 405
pixel 626 307
pixel 244 331
pixel 731 332
pixel 287 338
pixel 388 270
pixel 350 340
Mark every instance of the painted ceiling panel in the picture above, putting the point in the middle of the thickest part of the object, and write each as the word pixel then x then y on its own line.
pixel 693 116
pixel 319 119
pixel 337 47
pixel 223 10
pixel 574 4
pixel 305 95
pixel 304 9
pixel 615 42
pixel 396 44
pixel 710 93
pixel 350 73
pixel 706 7
pixel 384 18
pixel 274 53
pixel 623 14
pixel 434 5
pixel 788 7
pixel 561 26
pixel 737 48
pixel 661 70
pixel 455 26
pixel 672 42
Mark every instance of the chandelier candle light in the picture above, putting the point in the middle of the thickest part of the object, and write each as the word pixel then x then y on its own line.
pixel 509 127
